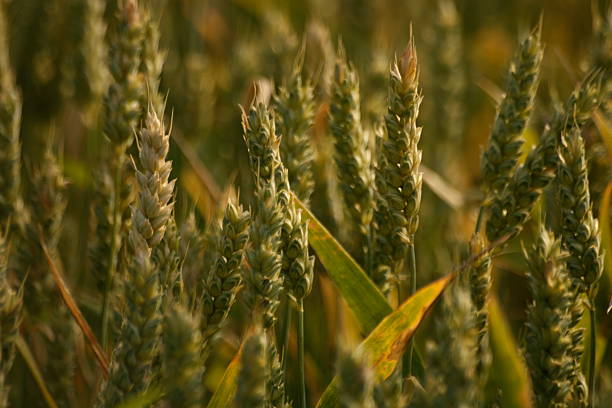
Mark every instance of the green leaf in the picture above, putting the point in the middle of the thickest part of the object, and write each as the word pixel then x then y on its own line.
pixel 364 299
pixel 224 394
pixel 384 347
pixel 510 371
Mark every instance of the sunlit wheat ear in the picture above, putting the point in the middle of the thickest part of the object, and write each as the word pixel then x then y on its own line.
pixel 502 153
pixel 181 358
pixel 222 281
pixel 294 105
pixel 251 382
pixel 548 339
pixel 580 230
pixel 352 155
pixel 264 256
pixel 398 176
pixel 10 318
pixel 509 210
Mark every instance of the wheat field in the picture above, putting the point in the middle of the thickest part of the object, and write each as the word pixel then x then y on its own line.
pixel 276 204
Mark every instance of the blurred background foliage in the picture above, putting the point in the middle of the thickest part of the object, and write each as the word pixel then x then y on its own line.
pixel 217 49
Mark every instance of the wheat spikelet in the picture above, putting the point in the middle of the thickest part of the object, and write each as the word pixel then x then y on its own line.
pixel 181 366
pixel 501 156
pixel 547 340
pixel 479 277
pixel 509 211
pixel 295 109
pixel 263 275
pixel 251 382
pixel 352 156
pixel 398 178
pixel 223 280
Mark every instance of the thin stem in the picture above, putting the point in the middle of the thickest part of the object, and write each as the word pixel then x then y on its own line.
pixel 284 333
pixel 411 291
pixel 592 354
pixel 300 344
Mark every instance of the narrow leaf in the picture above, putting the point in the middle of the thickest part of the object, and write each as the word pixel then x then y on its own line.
pixel 76 312
pixel 224 394
pixel 364 299
pixel 386 344
pixel 25 352
pixel 508 365
pixel 143 399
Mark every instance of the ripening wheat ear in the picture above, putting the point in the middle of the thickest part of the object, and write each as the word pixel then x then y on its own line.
pixel 181 359
pixel 548 338
pixel 263 274
pixel 295 110
pixel 580 230
pixel 398 176
pixel 140 334
pixel 352 155
pixel 10 318
pixel 223 279
pixel 501 156
pixel 509 210
pixel 479 277
pixel 251 382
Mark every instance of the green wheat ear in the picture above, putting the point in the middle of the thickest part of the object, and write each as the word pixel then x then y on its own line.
pixel 548 339
pixel 352 154
pixel 294 106
pixel 398 175
pixel 181 358
pixel 251 382
pixel 502 153
pixel 510 210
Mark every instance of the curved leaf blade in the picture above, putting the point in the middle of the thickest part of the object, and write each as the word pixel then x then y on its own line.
pixel 364 299
pixel 508 365
pixel 386 344
pixel 606 234
pixel 224 394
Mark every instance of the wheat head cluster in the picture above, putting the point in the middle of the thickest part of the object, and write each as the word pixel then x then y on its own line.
pixel 270 224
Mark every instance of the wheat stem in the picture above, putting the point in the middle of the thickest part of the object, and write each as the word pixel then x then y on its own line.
pixel 300 344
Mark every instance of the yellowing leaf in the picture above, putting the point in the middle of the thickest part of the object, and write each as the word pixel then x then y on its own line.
pixel 384 347
pixel 224 394
pixel 362 296
pixel 508 365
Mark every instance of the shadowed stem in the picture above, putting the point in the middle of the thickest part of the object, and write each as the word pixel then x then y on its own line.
pixel 284 333
pixel 300 344
pixel 592 354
